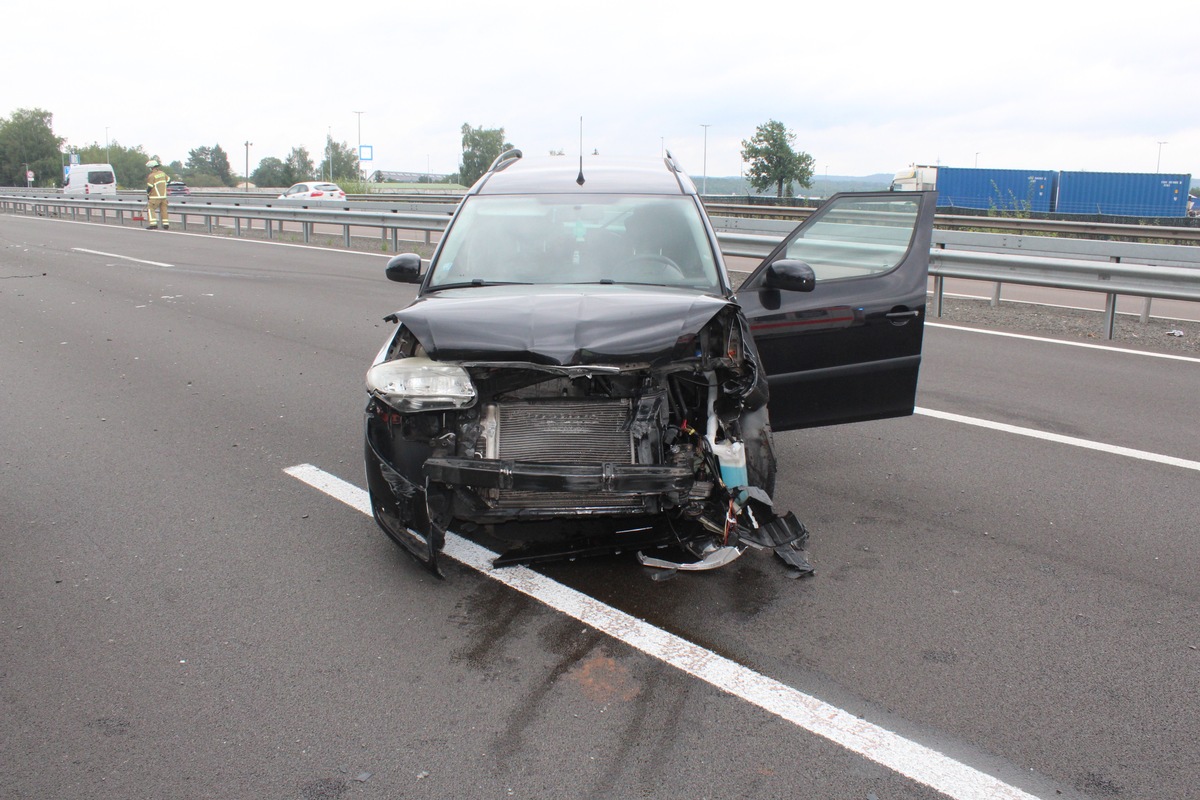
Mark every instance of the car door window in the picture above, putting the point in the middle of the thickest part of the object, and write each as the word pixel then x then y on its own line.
pixel 856 237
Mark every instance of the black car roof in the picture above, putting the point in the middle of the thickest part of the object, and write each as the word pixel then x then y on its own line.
pixel 601 175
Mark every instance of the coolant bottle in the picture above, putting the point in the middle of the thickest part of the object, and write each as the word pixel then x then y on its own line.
pixel 732 458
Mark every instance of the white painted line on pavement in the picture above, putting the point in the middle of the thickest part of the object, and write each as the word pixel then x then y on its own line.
pixel 917 762
pixel 1065 341
pixel 1059 438
pixel 126 258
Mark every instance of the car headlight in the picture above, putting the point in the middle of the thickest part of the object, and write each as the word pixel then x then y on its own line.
pixel 420 384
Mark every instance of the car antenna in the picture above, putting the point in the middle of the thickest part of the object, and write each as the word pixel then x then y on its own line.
pixel 579 180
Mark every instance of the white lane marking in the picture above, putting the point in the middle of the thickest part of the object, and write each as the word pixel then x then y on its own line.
pixel 126 258
pixel 1059 438
pixel 917 762
pixel 177 233
pixel 1064 341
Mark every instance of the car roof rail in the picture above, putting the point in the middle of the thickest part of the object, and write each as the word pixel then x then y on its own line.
pixel 504 159
pixel 678 171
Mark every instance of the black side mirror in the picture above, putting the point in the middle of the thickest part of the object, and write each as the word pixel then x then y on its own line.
pixel 790 275
pixel 404 268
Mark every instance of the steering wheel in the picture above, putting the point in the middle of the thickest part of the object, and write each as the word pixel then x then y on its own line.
pixel 646 260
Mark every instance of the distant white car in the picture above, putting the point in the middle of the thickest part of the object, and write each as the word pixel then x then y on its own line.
pixel 314 190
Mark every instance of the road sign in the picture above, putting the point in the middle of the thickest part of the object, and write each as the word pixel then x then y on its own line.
pixel 366 152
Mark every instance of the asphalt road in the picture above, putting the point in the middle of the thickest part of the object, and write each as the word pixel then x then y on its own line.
pixel 181 617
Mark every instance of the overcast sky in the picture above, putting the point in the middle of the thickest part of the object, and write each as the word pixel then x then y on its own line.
pixel 867 87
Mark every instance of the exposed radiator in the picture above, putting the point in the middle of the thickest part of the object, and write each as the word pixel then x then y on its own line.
pixel 572 431
pixel 566 431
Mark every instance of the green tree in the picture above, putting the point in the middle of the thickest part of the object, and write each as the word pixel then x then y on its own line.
pixel 129 163
pixel 27 142
pixel 480 148
pixel 270 172
pixel 341 161
pixel 772 160
pixel 298 167
pixel 209 166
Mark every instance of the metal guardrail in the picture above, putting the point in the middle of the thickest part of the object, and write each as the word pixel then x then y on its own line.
pixel 1168 271
pixel 273 213
pixel 949 221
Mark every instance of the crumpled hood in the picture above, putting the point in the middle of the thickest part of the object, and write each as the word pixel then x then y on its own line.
pixel 561 325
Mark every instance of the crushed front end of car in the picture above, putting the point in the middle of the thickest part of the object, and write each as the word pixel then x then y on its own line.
pixel 577 421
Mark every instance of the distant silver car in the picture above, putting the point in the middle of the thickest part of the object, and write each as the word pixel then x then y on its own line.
pixel 314 190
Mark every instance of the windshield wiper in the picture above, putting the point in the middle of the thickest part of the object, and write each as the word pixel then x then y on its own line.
pixel 479 282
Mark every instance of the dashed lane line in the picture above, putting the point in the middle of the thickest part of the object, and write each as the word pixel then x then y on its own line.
pixel 125 258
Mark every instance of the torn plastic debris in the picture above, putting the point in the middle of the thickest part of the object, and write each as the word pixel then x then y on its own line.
pixel 713 558
pixel 1175 332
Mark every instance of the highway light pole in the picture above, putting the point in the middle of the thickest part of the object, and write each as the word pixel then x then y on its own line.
pixel 706 126
pixel 1159 162
pixel 246 177
pixel 358 156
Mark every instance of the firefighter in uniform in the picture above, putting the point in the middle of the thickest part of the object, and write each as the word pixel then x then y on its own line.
pixel 156 196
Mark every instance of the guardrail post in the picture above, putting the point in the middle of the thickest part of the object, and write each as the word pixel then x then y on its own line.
pixel 270 229
pixel 237 226
pixel 346 235
pixel 307 226
pixel 1110 315
pixel 209 222
pixel 938 287
pixel 996 295
pixel 395 240
pixel 1146 310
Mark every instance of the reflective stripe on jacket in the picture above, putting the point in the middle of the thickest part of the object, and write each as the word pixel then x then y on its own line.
pixel 157 183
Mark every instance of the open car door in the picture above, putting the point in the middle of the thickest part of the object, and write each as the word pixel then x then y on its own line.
pixel 846 346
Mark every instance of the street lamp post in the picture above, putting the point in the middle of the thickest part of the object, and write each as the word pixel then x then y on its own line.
pixel 358 156
pixel 107 157
pixel 1158 163
pixel 706 126
pixel 246 178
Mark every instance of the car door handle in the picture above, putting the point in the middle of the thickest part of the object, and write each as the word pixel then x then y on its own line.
pixel 901 317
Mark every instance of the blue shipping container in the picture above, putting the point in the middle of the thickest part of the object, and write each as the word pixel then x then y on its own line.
pixel 999 189
pixel 1126 194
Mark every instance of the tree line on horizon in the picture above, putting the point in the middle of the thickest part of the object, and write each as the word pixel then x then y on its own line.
pixel 28 142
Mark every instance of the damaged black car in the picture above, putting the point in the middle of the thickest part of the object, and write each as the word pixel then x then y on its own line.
pixel 578 375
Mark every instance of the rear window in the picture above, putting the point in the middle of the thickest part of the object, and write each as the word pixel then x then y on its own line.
pixel 327 187
pixel 101 176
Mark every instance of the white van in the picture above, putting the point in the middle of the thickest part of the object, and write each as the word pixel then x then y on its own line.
pixel 91 179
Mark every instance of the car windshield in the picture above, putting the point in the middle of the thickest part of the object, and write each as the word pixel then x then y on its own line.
pixel 558 238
